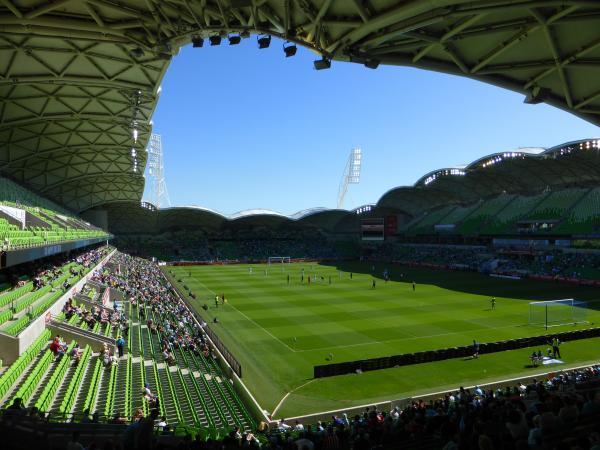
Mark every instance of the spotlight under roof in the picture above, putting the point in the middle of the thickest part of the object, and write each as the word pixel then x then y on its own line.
pixel 537 95
pixel 235 40
pixel 372 63
pixel 137 52
pixel 321 64
pixel 197 42
pixel 290 50
pixel 264 41
pixel 215 40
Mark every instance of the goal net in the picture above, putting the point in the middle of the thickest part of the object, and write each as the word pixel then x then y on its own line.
pixel 553 313
pixel 279 259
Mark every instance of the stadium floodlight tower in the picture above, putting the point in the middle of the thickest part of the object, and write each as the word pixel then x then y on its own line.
pixel 350 176
pixel 155 175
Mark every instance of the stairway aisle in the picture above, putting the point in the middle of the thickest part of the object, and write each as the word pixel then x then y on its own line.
pixel 168 400
pixel 119 399
pixel 62 389
pixel 84 388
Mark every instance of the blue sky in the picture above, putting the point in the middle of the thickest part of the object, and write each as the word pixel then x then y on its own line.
pixel 247 128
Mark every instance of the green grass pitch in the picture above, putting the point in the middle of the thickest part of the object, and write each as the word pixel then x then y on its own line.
pixel 279 331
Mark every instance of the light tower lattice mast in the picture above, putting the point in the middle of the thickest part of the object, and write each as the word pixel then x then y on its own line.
pixel 351 175
pixel 155 176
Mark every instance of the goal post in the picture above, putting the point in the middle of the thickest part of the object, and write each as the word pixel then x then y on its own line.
pixel 279 259
pixel 554 313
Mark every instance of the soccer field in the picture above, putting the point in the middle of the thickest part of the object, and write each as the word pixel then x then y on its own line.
pixel 279 331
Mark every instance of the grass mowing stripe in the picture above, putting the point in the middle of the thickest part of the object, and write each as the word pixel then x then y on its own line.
pixel 353 321
pixel 249 319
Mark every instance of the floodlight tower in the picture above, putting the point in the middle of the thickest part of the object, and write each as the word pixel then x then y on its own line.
pixel 351 175
pixel 155 176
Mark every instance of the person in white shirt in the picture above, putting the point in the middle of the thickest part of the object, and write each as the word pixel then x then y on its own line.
pixel 162 424
pixel 298 426
pixel 283 425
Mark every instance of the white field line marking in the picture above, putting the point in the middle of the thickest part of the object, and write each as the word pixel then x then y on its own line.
pixel 360 344
pixel 492 381
pixel 291 392
pixel 251 320
pixel 402 339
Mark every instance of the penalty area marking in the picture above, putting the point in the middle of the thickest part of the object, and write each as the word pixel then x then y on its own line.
pixel 288 394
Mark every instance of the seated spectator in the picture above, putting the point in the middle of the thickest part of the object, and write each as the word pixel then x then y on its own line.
pixel 76 353
pixel 162 425
pixel 147 393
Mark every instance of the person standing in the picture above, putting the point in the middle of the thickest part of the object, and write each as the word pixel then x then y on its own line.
pixel 493 301
pixel 373 284
pixel 120 346
pixel 475 349
pixel 216 301
pixel 414 285
pixel 555 347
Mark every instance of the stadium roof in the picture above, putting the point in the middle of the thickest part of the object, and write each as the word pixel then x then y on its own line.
pixel 522 171
pixel 78 77
pixel 128 217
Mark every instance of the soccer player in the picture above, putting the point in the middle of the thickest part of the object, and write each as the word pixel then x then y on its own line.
pixel 216 301
pixel 493 301
pixel 414 286
pixel 350 275
pixel 373 284
pixel 288 278
pixel 249 270
pixel 475 349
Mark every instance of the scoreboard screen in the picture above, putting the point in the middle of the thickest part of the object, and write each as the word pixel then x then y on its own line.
pixel 373 229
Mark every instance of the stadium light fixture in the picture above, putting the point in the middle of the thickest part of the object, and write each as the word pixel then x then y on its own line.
pixel 137 52
pixel 245 34
pixel 537 95
pixel 323 63
pixel 215 40
pixel 264 41
pixel 372 63
pixel 289 50
pixel 197 42
pixel 234 40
